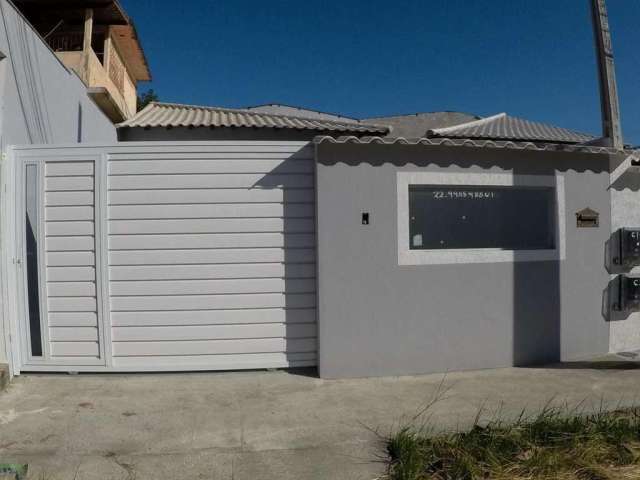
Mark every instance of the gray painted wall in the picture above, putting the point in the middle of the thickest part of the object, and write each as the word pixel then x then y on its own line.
pixel 625 198
pixel 41 101
pixel 379 318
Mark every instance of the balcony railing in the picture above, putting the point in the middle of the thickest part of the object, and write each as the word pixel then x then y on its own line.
pixel 66 42
pixel 97 69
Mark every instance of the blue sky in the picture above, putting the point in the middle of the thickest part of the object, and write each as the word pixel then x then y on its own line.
pixel 533 59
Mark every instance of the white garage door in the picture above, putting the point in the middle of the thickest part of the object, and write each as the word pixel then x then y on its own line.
pixel 209 256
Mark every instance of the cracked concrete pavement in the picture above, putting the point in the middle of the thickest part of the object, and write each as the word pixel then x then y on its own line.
pixel 261 425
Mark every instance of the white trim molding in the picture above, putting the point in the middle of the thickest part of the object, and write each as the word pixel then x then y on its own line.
pixel 406 256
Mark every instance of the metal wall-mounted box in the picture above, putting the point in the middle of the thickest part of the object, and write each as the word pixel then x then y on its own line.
pixel 628 293
pixel 629 251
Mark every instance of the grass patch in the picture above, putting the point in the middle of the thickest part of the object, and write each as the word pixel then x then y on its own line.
pixel 555 444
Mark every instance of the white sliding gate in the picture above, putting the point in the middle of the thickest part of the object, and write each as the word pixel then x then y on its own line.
pixel 154 256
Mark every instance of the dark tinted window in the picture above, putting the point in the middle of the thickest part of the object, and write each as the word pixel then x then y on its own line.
pixel 31 226
pixel 460 216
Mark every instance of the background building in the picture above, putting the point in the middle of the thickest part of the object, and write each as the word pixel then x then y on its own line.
pixel 98 41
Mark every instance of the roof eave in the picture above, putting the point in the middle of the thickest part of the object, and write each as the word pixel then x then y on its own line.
pixel 471 143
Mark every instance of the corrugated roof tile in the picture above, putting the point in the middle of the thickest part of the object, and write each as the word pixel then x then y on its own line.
pixel 505 127
pixel 176 115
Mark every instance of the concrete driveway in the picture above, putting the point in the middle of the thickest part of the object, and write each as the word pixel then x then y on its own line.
pixel 259 425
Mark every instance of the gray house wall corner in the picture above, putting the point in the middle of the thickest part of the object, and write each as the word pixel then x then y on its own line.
pixel 379 317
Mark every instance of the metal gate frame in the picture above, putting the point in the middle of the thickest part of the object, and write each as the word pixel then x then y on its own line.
pixel 12 288
pixel 14 254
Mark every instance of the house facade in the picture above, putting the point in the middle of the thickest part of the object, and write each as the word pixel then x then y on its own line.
pixel 362 254
pixel 208 238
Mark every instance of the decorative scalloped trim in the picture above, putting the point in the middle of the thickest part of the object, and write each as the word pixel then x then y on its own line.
pixel 453 142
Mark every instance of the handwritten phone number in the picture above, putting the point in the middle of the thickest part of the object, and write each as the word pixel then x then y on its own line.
pixel 456 194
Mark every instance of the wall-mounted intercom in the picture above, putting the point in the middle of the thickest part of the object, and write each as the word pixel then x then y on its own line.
pixel 629 247
pixel 628 293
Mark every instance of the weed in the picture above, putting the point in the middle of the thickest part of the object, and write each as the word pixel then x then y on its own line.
pixel 557 443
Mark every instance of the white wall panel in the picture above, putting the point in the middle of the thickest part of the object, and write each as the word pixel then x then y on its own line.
pixel 73 334
pixel 70 243
pixel 203 272
pixel 217 362
pixel 71 274
pixel 207 254
pixel 217 347
pixel 70 261
pixel 73 319
pixel 208 240
pixel 199 287
pixel 218 225
pixel 221 181
pixel 71 289
pixel 138 196
pixel 204 166
pixel 201 256
pixel 289 316
pixel 221 210
pixel 75 349
pixel 71 304
pixel 69 213
pixel 212 332
pixel 69 228
pixel 192 302
pixel 69 183
pixel 212 257
pixel 69 169
pixel 69 198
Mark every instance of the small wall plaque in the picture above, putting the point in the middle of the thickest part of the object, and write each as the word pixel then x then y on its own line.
pixel 587 218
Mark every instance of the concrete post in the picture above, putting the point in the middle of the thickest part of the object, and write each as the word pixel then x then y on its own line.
pixel 86 44
pixel 611 128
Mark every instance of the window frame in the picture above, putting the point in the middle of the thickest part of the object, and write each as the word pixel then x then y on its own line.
pixel 408 256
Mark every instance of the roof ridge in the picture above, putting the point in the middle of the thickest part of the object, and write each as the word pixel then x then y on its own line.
pixel 474 123
pixel 251 107
pixel 246 111
pixel 415 114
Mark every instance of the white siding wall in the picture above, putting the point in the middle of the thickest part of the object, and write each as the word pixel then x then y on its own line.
pixel 70 261
pixel 212 257
pixel 176 257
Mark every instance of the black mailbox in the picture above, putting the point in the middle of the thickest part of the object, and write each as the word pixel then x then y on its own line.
pixel 629 246
pixel 629 293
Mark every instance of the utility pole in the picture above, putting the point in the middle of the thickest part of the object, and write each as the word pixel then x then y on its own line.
pixel 611 129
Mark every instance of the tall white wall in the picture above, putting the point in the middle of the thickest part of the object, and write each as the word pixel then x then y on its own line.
pixel 41 101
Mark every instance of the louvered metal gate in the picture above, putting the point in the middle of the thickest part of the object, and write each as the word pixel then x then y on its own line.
pixel 147 256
